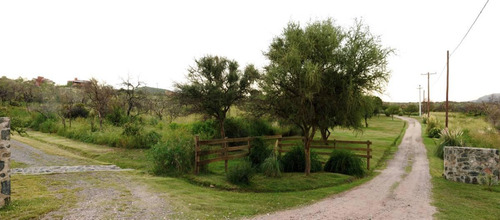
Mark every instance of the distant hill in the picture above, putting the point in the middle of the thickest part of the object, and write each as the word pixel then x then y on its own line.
pixel 152 90
pixel 487 98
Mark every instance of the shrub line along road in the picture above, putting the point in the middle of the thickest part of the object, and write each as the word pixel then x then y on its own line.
pixel 401 191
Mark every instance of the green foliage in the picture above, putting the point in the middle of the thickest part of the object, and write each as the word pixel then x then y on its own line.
pixel 76 111
pixel 174 156
pixel 206 129
pixel 346 162
pixel 433 128
pixel 318 74
pixel 449 138
pixel 247 127
pixel 117 116
pixel 242 173
pixel 258 152
pixel 214 85
pixel 434 133
pixel 134 136
pixel 489 180
pixel 271 167
pixel 294 161
pixel 392 110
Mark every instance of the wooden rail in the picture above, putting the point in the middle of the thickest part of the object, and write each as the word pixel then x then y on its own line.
pixel 224 152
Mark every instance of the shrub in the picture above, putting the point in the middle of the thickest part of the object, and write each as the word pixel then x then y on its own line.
pixel 432 123
pixel 77 111
pixel 424 120
pixel 449 138
pixel 117 116
pixel 258 152
pixel 434 133
pixel 174 156
pixel 242 173
pixel 295 161
pixel 206 129
pixel 271 167
pixel 245 127
pixel 346 162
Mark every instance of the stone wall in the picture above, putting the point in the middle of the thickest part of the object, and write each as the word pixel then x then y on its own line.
pixel 470 164
pixel 4 161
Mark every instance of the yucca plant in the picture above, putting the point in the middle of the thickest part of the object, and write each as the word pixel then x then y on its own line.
pixel 449 138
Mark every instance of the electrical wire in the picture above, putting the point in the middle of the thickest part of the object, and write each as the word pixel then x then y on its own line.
pixel 461 41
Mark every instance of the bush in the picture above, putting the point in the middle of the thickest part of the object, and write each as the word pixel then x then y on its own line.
pixel 245 127
pixel 77 111
pixel 206 129
pixel 449 138
pixel 434 133
pixel 271 167
pixel 258 152
pixel 295 160
pixel 242 173
pixel 432 123
pixel 175 156
pixel 346 162
pixel 133 136
pixel 117 116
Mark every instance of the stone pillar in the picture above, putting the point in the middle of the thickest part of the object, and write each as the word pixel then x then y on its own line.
pixel 4 161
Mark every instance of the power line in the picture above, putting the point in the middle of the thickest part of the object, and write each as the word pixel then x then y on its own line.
pixel 461 41
pixel 463 38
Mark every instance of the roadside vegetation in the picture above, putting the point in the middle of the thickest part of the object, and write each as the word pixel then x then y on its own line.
pixel 460 200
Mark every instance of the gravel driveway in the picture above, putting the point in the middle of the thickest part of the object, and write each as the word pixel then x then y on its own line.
pixel 393 194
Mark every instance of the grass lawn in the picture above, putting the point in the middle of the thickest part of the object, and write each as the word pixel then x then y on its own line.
pixel 459 200
pixel 195 201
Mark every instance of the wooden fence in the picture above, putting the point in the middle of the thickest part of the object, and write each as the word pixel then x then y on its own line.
pixel 221 151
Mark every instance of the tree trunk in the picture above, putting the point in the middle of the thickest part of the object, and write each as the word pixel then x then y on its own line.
pixel 307 148
pixel 221 126
pixel 366 121
pixel 325 134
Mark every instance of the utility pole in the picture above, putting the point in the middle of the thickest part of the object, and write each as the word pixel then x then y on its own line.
pixel 419 103
pixel 447 84
pixel 428 92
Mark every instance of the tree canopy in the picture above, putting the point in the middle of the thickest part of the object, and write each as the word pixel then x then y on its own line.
pixel 215 84
pixel 318 74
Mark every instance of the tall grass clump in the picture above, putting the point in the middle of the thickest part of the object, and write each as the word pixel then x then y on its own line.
pixel 242 173
pixel 175 155
pixel 258 152
pixel 433 128
pixel 271 167
pixel 345 162
pixel 449 138
pixel 294 161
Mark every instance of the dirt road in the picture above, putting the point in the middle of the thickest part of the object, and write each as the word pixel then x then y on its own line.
pixel 90 194
pixel 401 191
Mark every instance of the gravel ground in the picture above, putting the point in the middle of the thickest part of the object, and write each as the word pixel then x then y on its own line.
pixel 23 153
pixel 393 194
pixel 99 195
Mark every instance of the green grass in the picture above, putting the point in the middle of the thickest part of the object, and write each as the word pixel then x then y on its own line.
pixel 459 200
pixel 31 197
pixel 194 201
pixel 124 158
pixel 480 132
pixel 384 133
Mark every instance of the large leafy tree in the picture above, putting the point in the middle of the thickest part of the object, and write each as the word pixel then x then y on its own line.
pixel 318 74
pixel 214 85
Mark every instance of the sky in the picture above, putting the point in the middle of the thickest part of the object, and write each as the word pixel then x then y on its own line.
pixel 157 41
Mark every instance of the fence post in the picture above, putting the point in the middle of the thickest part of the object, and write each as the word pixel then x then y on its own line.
pixel 334 143
pixel 196 155
pixel 225 154
pixel 368 155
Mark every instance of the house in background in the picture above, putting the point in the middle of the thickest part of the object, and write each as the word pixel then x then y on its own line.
pixel 41 80
pixel 77 82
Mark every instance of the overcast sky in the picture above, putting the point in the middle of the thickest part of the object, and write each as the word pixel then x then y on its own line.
pixel 158 40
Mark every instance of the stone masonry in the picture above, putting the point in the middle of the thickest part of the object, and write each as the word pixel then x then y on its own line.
pixel 4 161
pixel 470 164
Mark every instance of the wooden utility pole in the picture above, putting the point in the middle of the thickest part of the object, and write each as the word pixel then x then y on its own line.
pixel 428 92
pixel 447 84
pixel 419 102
